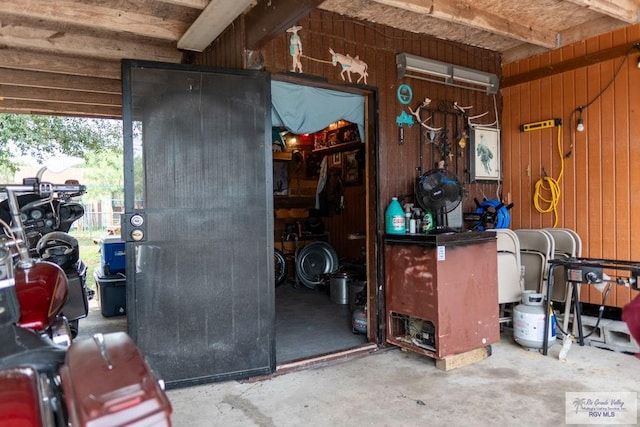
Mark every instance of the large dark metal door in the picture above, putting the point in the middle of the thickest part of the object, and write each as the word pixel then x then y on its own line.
pixel 199 220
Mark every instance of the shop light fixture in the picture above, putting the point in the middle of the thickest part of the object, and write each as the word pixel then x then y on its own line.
pixel 417 67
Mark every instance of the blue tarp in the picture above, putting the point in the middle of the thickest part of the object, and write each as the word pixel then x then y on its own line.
pixel 306 109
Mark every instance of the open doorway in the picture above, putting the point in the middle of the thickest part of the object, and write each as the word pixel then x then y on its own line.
pixel 323 186
pixel 319 241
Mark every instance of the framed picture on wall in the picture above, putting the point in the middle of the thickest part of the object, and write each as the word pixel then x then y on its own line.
pixel 352 168
pixel 337 159
pixel 485 154
pixel 312 163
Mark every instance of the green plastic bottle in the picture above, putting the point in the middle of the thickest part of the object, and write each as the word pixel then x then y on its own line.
pixel 394 218
pixel 427 222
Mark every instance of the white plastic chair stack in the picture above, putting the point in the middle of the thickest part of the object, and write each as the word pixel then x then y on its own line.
pixel 567 244
pixel 510 281
pixel 536 249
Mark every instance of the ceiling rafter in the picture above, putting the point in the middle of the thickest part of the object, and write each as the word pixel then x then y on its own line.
pixel 600 25
pixel 75 66
pixel 266 21
pixel 31 38
pixel 476 18
pixel 58 81
pixel 624 10
pixel 58 108
pixel 211 23
pixel 194 4
pixel 96 17
pixel 56 95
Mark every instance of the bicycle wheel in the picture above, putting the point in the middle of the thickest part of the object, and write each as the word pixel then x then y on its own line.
pixel 281 267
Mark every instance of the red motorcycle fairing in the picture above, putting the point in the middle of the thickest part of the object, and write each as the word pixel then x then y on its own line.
pixel 20 398
pixel 42 290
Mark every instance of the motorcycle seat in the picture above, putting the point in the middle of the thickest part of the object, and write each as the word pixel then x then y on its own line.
pixel 23 347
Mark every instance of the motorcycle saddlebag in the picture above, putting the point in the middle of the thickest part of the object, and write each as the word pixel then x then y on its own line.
pixel 77 306
pixel 106 382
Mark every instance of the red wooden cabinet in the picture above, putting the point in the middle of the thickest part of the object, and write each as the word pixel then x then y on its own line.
pixel 441 292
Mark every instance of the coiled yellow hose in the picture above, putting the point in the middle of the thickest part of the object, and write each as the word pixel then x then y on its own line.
pixel 551 187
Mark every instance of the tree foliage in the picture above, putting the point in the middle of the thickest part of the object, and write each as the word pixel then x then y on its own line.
pixel 41 137
pixel 104 176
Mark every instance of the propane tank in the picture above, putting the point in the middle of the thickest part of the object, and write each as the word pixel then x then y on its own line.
pixel 359 320
pixel 528 322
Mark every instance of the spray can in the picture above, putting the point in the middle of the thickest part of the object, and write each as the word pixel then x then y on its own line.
pixel 427 222
pixel 394 218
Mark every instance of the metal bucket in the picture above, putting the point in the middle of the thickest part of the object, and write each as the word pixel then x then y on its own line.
pixel 339 285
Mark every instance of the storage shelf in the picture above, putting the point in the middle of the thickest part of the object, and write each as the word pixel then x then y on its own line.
pixel 339 148
pixel 282 156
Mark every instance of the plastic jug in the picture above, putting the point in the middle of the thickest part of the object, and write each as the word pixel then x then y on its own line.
pixel 395 218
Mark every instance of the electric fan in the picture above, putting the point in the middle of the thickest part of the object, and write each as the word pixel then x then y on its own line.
pixel 440 192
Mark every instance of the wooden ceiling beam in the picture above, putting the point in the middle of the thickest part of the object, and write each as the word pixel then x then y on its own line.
pixel 53 42
pixel 211 23
pixel 570 64
pixel 59 81
pixel 14 106
pixel 95 17
pixel 600 25
pixel 269 19
pixel 464 14
pixel 623 10
pixel 37 61
pixel 193 4
pixel 61 96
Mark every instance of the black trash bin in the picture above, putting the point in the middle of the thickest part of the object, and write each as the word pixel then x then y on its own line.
pixel 113 293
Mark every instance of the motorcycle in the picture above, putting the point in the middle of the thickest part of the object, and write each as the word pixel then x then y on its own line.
pixel 46 220
pixel 103 380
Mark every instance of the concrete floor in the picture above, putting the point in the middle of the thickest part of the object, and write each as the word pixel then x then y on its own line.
pixel 391 387
pixel 513 386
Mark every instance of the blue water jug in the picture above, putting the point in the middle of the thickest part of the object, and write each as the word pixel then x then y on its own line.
pixel 394 218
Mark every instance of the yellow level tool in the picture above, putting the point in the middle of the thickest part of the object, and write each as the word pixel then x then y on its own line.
pixel 540 125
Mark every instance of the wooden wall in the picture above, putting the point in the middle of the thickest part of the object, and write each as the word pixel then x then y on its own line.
pixel 378 45
pixel 599 187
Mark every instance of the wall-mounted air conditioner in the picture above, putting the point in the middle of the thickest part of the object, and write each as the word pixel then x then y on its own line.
pixel 417 67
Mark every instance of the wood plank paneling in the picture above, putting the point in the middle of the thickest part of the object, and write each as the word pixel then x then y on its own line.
pixel 378 45
pixel 599 184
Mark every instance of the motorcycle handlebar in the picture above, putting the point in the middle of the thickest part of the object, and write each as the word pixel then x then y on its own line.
pixel 45 189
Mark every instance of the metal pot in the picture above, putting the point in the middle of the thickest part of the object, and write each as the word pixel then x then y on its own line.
pixel 339 286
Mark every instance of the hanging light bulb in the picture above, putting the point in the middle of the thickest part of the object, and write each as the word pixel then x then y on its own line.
pixel 580 122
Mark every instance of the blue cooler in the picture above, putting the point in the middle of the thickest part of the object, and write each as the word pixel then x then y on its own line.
pixel 113 293
pixel 112 255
